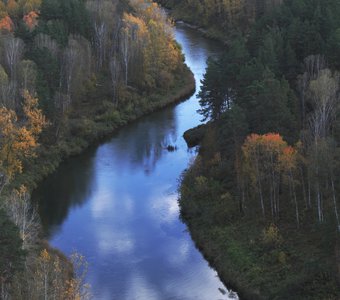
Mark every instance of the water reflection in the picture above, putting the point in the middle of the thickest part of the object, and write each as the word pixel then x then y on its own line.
pixel 117 205
pixel 149 143
pixel 59 193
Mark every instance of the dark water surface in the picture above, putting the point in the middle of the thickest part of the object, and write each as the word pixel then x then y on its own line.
pixel 117 204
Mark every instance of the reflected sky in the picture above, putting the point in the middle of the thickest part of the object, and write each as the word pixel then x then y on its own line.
pixel 117 204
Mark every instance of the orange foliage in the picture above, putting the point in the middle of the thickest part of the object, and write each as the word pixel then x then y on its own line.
pixel 6 24
pixel 288 158
pixel 270 149
pixel 270 142
pixel 19 138
pixel 12 7
pixel 31 19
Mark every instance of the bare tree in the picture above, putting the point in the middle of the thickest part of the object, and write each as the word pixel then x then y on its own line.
pixel 104 28
pixel 4 88
pixel 324 94
pixel 27 76
pixel 13 51
pixel 69 61
pixel 313 65
pixel 45 41
pixel 24 215
pixel 125 51
pixel 115 77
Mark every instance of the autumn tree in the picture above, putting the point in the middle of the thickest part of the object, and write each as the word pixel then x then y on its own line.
pixel 6 24
pixel 288 163
pixel 31 19
pixel 50 276
pixel 18 137
pixel 266 157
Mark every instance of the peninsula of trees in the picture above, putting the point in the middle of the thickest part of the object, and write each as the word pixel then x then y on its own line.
pixel 262 198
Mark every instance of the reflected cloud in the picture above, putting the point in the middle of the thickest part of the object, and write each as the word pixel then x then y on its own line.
pixel 141 289
pixel 147 146
pixel 102 203
pixel 179 254
pixel 111 242
pixel 165 208
pixel 57 194
pixel 124 207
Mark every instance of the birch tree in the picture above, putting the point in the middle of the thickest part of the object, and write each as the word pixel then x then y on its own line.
pixel 27 76
pixel 13 51
pixel 24 215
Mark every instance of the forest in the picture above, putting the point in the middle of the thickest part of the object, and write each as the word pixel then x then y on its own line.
pixel 262 198
pixel 71 71
pixel 221 16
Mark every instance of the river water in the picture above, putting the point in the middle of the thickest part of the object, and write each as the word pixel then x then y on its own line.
pixel 117 204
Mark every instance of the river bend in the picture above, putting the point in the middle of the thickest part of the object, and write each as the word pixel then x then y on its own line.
pixel 117 204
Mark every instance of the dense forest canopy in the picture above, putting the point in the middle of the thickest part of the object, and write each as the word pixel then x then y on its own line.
pixel 70 71
pixel 262 196
pixel 277 81
pixel 269 161
pixel 222 15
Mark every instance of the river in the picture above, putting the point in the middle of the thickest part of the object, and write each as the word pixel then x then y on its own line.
pixel 116 204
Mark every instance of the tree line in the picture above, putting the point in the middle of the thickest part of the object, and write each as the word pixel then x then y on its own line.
pixel 269 158
pixel 267 88
pixel 68 67
pixel 225 16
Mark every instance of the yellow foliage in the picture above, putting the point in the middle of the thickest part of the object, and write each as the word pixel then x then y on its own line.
pixel 12 7
pixel 272 236
pixel 45 256
pixel 151 26
pixel 19 137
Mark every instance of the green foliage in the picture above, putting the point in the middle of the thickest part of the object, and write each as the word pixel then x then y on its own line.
pixel 59 18
pixel 213 95
pixel 270 106
pixel 11 254
pixel 272 236
pixel 273 76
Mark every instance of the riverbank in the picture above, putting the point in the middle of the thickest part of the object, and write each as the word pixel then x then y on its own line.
pixel 261 200
pixel 133 169
pixel 181 16
pixel 257 259
pixel 210 33
pixel 95 124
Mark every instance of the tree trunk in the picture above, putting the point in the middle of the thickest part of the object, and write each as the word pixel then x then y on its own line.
pixel 335 206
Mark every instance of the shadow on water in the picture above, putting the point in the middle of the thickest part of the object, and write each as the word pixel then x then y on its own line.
pixel 67 187
pixel 136 146
pixel 117 204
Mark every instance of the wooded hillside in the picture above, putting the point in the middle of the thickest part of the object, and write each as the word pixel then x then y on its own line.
pixel 262 197
pixel 71 71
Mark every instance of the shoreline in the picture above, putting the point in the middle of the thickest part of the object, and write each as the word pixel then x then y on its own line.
pixel 204 31
pixel 49 160
pixel 230 284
